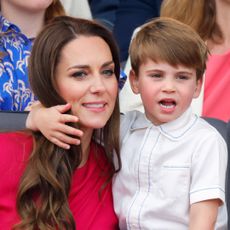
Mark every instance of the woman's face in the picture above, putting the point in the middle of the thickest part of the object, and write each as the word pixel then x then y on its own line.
pixel 85 78
pixel 27 5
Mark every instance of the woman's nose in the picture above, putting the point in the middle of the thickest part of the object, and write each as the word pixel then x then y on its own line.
pixel 97 85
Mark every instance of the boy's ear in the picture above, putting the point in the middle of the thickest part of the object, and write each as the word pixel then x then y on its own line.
pixel 198 88
pixel 133 79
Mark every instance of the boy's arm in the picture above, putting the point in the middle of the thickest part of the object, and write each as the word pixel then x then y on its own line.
pixel 207 187
pixel 12 121
pixel 51 122
pixel 203 215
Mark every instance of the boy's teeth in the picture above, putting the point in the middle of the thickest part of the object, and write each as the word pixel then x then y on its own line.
pixel 167 106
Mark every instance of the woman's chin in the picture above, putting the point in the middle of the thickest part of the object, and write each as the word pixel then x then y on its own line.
pixel 93 125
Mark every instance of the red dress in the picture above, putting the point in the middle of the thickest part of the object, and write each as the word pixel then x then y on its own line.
pixel 89 210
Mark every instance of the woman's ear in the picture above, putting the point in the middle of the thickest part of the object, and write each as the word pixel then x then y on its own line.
pixel 134 83
pixel 198 88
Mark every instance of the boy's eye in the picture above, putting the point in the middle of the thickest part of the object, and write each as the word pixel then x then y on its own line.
pixel 79 74
pixel 182 77
pixel 108 72
pixel 156 75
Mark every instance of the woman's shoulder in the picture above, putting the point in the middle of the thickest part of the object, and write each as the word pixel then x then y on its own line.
pixel 19 143
pixel 16 148
pixel 15 137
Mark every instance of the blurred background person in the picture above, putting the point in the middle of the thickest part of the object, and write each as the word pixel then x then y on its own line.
pixel 20 22
pixel 129 16
pixel 210 19
pixel 77 8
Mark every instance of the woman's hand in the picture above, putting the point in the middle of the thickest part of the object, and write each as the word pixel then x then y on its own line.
pixel 52 124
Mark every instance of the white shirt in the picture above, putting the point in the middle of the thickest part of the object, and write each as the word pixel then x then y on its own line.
pixel 165 169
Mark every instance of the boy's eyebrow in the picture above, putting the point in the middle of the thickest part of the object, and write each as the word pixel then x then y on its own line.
pixel 163 70
pixel 155 69
pixel 87 66
pixel 185 72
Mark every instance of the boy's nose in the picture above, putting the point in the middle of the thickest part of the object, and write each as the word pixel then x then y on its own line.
pixel 168 86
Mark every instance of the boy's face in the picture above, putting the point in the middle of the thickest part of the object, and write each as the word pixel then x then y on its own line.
pixel 166 91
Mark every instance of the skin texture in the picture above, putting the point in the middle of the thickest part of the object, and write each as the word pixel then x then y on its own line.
pixel 87 81
pixel 166 91
pixel 22 13
pixel 203 215
pixel 27 5
pixel 83 76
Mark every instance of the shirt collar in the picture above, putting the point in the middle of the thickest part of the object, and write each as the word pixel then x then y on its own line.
pixel 173 130
pixel 6 26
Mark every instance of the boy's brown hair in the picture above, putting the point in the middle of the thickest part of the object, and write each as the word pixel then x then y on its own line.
pixel 168 40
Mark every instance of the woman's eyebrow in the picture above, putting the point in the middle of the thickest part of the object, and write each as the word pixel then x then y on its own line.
pixel 78 67
pixel 107 63
pixel 87 66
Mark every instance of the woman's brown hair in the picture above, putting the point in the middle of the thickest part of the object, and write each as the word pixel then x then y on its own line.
pixel 55 9
pixel 43 195
pixel 200 15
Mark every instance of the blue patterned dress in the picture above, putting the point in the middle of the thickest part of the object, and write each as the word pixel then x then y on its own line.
pixel 15 47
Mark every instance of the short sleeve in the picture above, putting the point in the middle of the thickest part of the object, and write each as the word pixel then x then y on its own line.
pixel 209 164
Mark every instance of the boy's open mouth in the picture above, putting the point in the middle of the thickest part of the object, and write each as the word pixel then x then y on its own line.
pixel 167 103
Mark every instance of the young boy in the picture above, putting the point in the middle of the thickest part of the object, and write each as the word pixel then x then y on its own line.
pixel 173 163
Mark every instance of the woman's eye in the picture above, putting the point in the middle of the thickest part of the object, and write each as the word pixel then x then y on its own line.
pixel 79 74
pixel 108 72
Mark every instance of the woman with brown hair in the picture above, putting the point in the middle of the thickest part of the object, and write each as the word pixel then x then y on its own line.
pixel 20 22
pixel 43 186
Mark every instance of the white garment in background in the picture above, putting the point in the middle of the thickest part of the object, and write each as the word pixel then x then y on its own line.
pixel 77 8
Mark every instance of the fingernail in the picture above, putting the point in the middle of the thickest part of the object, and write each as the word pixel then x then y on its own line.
pixel 78 142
